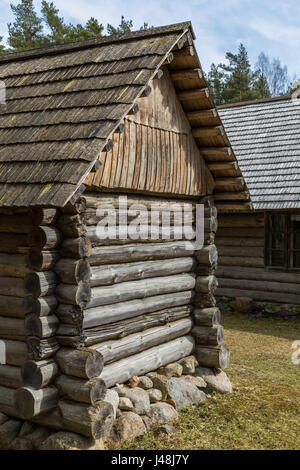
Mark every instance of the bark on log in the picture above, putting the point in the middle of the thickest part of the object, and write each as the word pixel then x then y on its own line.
pixel 39 374
pixel 39 349
pixel 42 260
pixel 72 225
pixel 114 274
pixel 141 289
pixel 76 247
pixel 41 216
pixel 40 283
pixel 208 255
pixel 10 376
pixel 13 242
pixel 79 390
pixel 13 265
pixel 75 295
pixel 207 316
pixel 207 284
pixel 30 402
pixel 207 335
pixel 213 356
pixel 146 361
pixel 86 419
pixel 41 306
pixel 42 327
pixel 140 252
pixel 83 363
pixel 15 352
pixel 113 351
pixel 12 286
pixel 44 238
pixel 72 271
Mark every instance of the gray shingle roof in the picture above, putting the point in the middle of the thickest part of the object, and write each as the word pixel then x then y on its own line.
pixel 265 137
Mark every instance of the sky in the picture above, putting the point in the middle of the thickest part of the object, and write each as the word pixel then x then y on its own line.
pixel 272 26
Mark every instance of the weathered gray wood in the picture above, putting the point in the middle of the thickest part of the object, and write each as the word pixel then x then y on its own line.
pixel 86 419
pixel 242 261
pixel 12 328
pixel 243 241
pixel 206 284
pixel 39 374
pixel 204 300
pixel 7 405
pixel 113 351
pixel 96 200
pixel 42 260
pixel 42 327
pixel 30 402
pixel 39 349
pixel 76 247
pixel 146 361
pixel 140 289
pixel 84 391
pixel 259 285
pixel 207 316
pixel 213 356
pixel 44 237
pixel 280 297
pixel 234 272
pixel 72 271
pixel 77 207
pixel 15 352
pixel 40 283
pixel 13 265
pixel 79 294
pixel 50 419
pixel 41 306
pixel 72 225
pixel 82 363
pixel 10 376
pixel 114 274
pixel 41 216
pixel 140 252
pixel 208 335
pixel 208 255
pixel 70 314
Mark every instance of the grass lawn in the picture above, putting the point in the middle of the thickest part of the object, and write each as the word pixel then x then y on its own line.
pixel 263 412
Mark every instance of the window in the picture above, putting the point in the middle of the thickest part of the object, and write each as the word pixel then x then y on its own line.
pixel 283 241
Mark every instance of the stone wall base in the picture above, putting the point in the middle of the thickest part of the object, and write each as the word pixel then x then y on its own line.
pixel 153 399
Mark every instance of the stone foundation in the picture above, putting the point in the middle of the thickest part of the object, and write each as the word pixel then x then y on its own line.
pixel 153 399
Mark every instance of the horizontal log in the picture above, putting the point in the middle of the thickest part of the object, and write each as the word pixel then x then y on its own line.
pixel 213 356
pixel 79 390
pixel 50 419
pixel 261 296
pixel 139 252
pixel 217 153
pixel 15 223
pixel 246 251
pixel 41 306
pixel 30 402
pixel 208 255
pixel 191 74
pixel 260 285
pixel 114 274
pixel 239 242
pixel 196 94
pixel 254 262
pixel 39 349
pixel 15 352
pixel 233 206
pixel 102 200
pixel 13 242
pixel 7 404
pixel 82 363
pixel 75 336
pixel 156 215
pixel 229 184
pixel 44 237
pixel 206 284
pixel 70 314
pixel 140 289
pixel 41 216
pixel 234 272
pixel 147 361
pixel 74 294
pixel 72 271
pixel 224 166
pixel 72 225
pixel 229 196
pixel 241 232
pixel 238 220
pixel 42 260
pixel 13 265
pixel 86 419
pixel 39 374
pixel 80 247
pixel 12 328
pixel 207 316
pixel 208 132
pixel 41 283
pixel 10 376
pixel 12 286
pixel 208 335
pixel 113 351
pixel 42 327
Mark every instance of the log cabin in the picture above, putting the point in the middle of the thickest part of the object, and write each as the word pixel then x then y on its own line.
pixel 259 251
pixel 84 123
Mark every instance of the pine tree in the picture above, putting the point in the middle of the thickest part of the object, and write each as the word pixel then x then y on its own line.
pixel 216 84
pixel 27 30
pixel 124 27
pixel 2 47
pixel 58 29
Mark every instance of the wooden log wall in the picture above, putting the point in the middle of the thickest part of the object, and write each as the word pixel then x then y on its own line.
pixel 241 270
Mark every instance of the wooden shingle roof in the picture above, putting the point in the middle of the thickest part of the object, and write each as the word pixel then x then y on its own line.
pixel 265 136
pixel 64 102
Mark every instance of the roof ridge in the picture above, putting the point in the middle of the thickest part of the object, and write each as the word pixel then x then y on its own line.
pixel 105 40
pixel 253 102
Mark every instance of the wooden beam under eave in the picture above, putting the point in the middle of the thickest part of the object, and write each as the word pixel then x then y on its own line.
pixel 184 51
pixel 194 94
pixel 216 131
pixel 203 114
pixel 234 207
pixel 232 196
pixel 216 154
pixel 227 184
pixel 223 166
pixel 186 74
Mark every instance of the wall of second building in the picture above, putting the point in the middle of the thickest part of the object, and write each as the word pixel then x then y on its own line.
pixel 241 264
